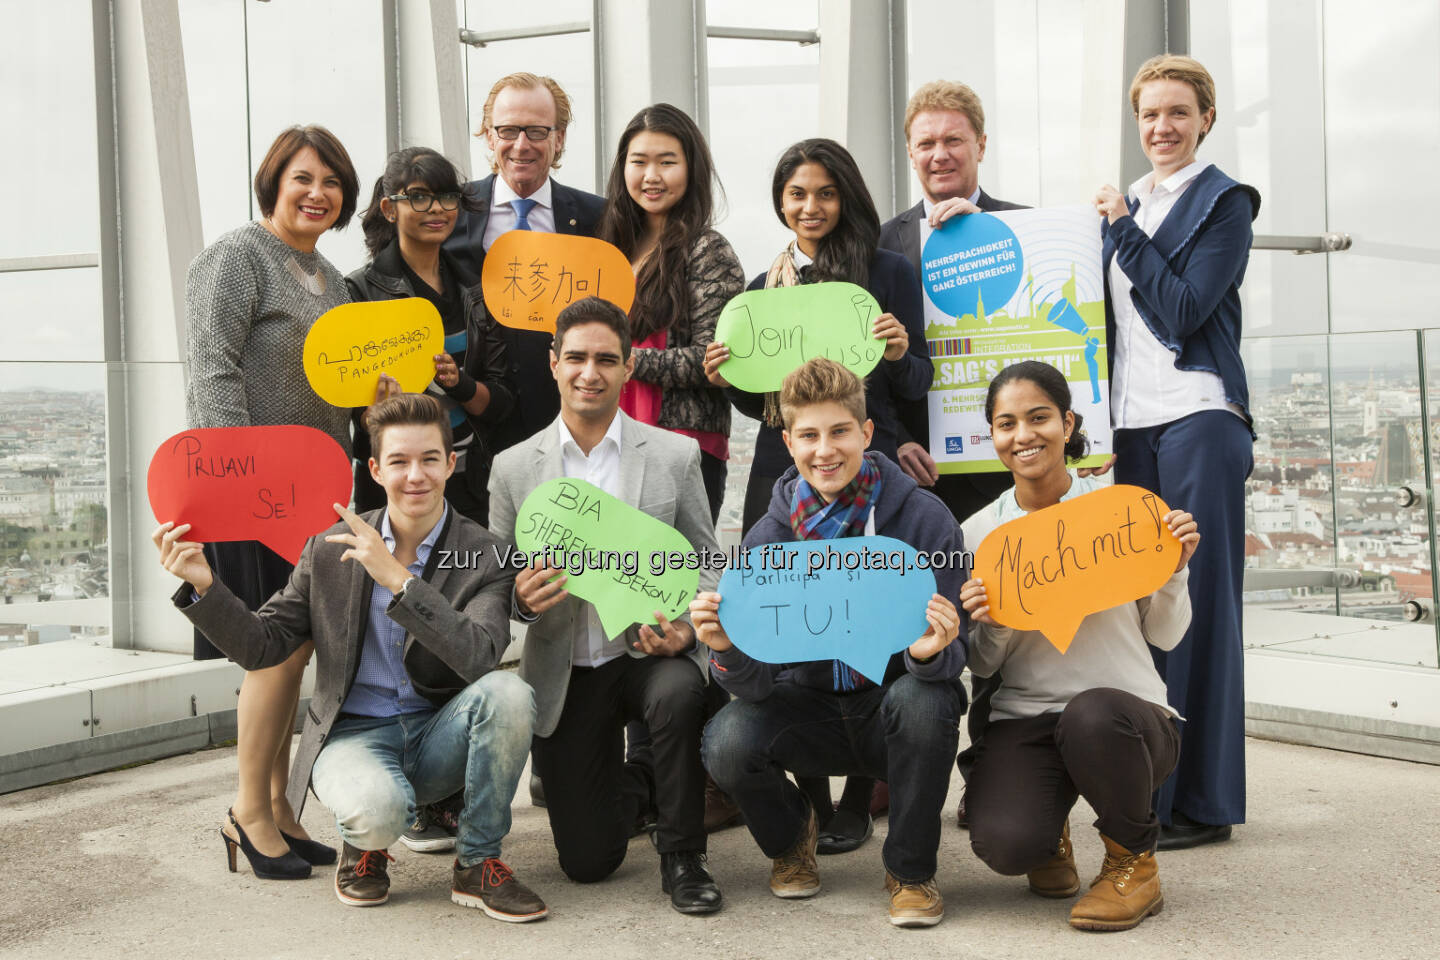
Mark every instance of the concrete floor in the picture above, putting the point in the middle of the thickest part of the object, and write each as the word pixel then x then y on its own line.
pixel 1340 860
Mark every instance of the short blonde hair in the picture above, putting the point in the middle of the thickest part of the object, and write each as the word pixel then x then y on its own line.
pixel 1173 66
pixel 528 81
pixel 821 380
pixel 946 95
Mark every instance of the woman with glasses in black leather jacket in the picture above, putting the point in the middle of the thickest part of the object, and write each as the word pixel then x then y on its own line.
pixel 412 212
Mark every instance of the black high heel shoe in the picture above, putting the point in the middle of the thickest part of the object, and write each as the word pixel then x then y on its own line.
pixel 290 866
pixel 311 851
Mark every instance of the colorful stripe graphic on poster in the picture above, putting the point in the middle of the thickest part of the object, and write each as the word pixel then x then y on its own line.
pixel 1005 287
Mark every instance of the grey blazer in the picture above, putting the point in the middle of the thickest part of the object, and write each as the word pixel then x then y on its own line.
pixel 660 474
pixel 456 620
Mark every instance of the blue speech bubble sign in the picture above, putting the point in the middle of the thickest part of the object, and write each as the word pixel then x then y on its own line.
pixel 972 264
pixel 856 599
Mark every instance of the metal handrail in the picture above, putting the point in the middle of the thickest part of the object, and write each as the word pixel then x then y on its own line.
pixel 62 261
pixel 1324 243
pixel 476 38
pixel 1307 577
pixel 803 37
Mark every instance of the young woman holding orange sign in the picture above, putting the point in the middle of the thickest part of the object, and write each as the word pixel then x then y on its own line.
pixel 1091 722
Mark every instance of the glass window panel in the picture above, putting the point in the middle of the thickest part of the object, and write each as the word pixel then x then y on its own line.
pixel 1270 132
pixel 52 314
pixel 790 15
pixel 54 562
pixel 1382 107
pixel 302 57
pixel 487 15
pixel 1289 502
pixel 570 59
pixel 214 39
pixel 51 170
pixel 1045 74
pixel 747 141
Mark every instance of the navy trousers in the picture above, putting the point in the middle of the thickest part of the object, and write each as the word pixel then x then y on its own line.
pixel 1200 463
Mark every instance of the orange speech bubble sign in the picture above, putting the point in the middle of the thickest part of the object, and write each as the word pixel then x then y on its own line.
pixel 1050 569
pixel 529 277
pixel 351 345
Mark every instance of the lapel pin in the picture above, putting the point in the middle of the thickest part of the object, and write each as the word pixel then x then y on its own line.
pixel 572 221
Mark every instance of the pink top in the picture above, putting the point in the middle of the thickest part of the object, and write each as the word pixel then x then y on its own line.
pixel 642 402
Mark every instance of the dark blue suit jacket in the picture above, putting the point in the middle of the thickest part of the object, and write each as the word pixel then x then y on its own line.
pixel 1187 277
pixel 963 493
pixel 537 402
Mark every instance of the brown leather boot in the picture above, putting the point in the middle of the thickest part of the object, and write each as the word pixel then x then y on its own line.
pixel 1057 877
pixel 1126 892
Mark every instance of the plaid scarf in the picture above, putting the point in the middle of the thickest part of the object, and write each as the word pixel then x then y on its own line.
pixel 813 519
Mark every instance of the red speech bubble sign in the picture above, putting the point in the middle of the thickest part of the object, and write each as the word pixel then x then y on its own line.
pixel 1050 569
pixel 272 484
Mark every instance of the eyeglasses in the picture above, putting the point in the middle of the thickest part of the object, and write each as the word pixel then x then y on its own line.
pixel 420 201
pixel 535 134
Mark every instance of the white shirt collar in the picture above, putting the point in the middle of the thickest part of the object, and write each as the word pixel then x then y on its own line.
pixel 1143 187
pixel 802 259
pixel 612 433
pixel 503 193
pixel 930 206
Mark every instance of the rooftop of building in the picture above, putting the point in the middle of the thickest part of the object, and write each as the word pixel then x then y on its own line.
pixel 1338 859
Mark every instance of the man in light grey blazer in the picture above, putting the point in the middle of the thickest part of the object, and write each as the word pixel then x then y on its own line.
pixel 587 685
pixel 407 609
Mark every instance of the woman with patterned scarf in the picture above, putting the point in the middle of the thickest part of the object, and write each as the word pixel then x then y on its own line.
pixel 819 193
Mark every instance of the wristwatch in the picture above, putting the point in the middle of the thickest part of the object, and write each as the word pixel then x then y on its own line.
pixel 404 587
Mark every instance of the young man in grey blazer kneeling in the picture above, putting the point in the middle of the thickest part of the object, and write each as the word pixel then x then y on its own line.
pixel 408 707
pixel 587 684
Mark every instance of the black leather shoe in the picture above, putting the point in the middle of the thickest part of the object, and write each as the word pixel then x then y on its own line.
pixel 845 831
pixel 1185 833
pixel 685 877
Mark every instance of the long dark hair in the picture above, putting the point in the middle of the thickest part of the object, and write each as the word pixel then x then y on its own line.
pixel 661 292
pixel 411 165
pixel 846 251
pixel 1053 384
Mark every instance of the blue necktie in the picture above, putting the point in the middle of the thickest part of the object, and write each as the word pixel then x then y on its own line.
pixel 522 208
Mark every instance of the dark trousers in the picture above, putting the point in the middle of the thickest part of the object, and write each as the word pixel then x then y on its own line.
pixel 592 795
pixel 713 472
pixel 904 733
pixel 1199 463
pixel 1107 745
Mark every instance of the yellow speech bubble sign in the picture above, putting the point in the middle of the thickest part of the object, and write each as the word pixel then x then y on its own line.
pixel 351 345
pixel 1050 569
pixel 530 276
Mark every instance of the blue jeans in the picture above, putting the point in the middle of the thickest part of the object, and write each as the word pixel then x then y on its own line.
pixel 374 771
pixel 905 734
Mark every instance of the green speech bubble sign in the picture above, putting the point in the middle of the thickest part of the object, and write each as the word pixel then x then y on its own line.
pixel 610 551
pixel 771 332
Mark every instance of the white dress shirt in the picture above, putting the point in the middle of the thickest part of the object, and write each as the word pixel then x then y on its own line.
pixel 1146 389
pixel 602 468
pixel 503 216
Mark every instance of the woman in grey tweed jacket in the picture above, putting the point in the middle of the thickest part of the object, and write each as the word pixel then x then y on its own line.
pixel 250 298
pixel 658 208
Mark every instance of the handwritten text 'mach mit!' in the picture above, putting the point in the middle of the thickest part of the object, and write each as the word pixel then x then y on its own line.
pixel 1019 573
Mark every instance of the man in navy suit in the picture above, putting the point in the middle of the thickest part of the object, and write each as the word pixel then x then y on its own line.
pixel 945 140
pixel 524 124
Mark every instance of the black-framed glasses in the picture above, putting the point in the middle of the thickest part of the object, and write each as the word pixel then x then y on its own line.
pixel 535 134
pixel 421 201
